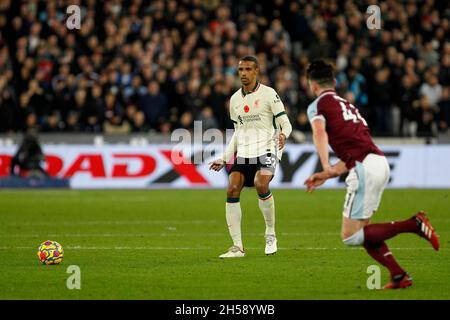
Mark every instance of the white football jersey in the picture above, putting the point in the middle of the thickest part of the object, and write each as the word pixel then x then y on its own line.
pixel 255 118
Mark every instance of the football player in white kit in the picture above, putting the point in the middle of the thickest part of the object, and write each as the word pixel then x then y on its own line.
pixel 261 129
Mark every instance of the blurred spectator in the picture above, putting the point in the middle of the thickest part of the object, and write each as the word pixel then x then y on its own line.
pixel 135 119
pixel 355 83
pixel 428 54
pixel 322 48
pixel 426 113
pixel 134 90
pixel 31 122
pixel 406 96
pixel 444 110
pixel 217 100
pixel 186 121
pixel 207 118
pixel 7 106
pixel 52 123
pixel 34 99
pixel 113 116
pixel 154 106
pixel 444 72
pixel 380 99
pixel 93 114
pixel 29 158
pixel 300 126
pixel 431 89
pixel 173 59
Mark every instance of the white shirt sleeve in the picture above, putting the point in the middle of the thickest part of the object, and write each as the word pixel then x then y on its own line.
pixel 284 124
pixel 231 149
pixel 232 146
pixel 281 118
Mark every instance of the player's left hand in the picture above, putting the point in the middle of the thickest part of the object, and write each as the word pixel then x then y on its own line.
pixel 280 140
pixel 315 180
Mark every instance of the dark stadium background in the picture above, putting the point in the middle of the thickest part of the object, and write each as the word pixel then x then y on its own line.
pixel 140 66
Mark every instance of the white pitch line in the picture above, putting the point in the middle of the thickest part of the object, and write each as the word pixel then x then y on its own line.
pixel 163 234
pixel 119 222
pixel 208 248
pixel 142 222
pixel 163 222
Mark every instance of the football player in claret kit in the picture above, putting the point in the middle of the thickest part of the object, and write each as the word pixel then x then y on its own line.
pixel 261 129
pixel 338 123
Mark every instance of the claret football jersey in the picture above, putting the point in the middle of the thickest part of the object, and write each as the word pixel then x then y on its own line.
pixel 348 133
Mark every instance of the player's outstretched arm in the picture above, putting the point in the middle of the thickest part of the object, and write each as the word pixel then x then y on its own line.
pixel 338 169
pixel 282 122
pixel 315 180
pixel 320 138
pixel 218 164
pixel 319 178
pixel 286 129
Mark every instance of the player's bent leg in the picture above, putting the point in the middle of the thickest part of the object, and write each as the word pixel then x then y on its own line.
pixel 417 224
pixel 379 251
pixel 426 229
pixel 353 235
pixel 234 215
pixel 266 204
pixel 352 229
pixel 235 184
pixel 365 185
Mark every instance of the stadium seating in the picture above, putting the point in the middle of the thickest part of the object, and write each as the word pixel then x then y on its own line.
pixel 140 66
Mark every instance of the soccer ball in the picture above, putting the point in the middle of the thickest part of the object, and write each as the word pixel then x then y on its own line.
pixel 50 252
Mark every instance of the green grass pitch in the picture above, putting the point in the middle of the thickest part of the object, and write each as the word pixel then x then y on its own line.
pixel 164 244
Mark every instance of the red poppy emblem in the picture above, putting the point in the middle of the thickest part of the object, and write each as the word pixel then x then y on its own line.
pixel 246 109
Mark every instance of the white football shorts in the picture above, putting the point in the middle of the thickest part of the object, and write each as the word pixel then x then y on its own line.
pixel 365 185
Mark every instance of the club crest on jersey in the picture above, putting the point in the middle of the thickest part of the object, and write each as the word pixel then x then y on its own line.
pixel 246 108
pixel 257 103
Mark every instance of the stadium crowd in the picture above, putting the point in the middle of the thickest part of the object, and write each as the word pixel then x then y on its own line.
pixel 139 65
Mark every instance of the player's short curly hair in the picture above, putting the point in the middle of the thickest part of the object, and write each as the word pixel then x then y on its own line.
pixel 251 58
pixel 320 71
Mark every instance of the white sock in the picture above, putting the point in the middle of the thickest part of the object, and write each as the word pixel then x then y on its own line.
pixel 233 215
pixel 267 206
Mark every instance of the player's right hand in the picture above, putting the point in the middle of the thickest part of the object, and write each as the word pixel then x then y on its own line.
pixel 330 172
pixel 217 165
pixel 315 180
